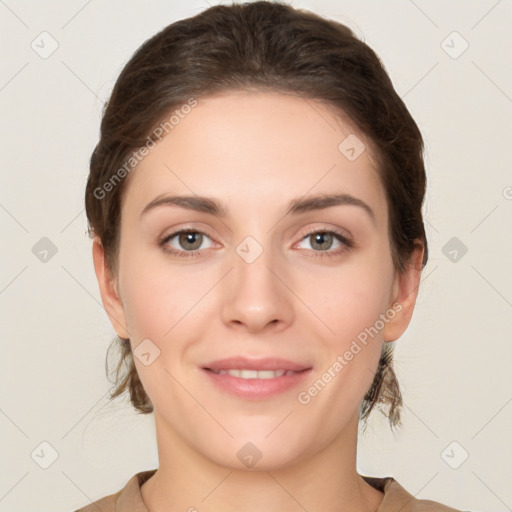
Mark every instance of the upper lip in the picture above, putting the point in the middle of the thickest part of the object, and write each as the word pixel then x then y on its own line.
pixel 244 363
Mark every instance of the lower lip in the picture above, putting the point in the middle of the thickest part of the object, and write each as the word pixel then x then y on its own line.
pixel 257 389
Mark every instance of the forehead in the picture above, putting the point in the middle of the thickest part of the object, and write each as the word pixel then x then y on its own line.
pixel 248 147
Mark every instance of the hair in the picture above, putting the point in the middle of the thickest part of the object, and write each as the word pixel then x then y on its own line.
pixel 264 46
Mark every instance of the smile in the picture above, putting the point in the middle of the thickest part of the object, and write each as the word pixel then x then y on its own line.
pixel 254 374
pixel 250 384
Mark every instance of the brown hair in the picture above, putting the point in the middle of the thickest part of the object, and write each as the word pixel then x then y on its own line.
pixel 266 46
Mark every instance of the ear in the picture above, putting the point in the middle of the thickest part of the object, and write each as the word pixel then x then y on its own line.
pixel 405 291
pixel 109 290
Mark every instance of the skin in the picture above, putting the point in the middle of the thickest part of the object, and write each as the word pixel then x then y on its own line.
pixel 254 153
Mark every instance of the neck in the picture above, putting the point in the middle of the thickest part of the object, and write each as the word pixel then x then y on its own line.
pixel 325 481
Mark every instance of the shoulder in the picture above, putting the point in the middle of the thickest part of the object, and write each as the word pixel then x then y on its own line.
pixel 397 497
pixel 128 499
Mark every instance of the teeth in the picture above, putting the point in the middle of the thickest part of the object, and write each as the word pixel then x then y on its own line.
pixel 254 374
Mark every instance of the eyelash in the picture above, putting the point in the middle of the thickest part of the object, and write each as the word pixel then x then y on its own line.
pixel 347 244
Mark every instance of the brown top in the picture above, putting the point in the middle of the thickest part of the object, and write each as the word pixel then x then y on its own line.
pixel 396 498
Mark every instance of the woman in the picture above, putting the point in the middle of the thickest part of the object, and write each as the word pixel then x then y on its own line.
pixel 255 207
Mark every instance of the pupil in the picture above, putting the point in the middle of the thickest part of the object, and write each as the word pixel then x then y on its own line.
pixel 320 239
pixel 188 238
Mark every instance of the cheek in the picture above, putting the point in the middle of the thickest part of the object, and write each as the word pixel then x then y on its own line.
pixel 350 299
pixel 159 307
pixel 156 296
pixel 351 307
pixel 149 314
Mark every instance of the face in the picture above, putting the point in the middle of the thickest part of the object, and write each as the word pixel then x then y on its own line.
pixel 271 274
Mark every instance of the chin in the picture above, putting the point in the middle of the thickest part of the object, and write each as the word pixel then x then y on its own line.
pixel 258 452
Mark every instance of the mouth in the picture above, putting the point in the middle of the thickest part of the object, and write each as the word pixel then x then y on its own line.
pixel 255 379
pixel 255 374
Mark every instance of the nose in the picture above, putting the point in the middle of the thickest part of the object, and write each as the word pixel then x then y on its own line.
pixel 257 295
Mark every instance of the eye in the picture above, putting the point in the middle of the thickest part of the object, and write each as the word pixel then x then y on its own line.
pixel 322 240
pixel 190 240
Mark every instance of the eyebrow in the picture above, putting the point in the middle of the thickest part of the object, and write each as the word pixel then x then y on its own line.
pixel 298 205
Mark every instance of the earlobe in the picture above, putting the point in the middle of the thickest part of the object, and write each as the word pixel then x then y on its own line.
pixel 405 292
pixel 109 290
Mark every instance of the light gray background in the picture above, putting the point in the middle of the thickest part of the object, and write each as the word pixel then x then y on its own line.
pixel 454 360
